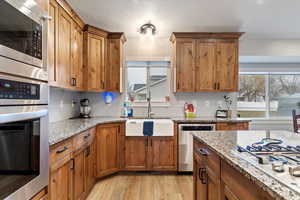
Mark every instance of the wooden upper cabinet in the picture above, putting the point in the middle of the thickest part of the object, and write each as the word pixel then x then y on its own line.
pixel 185 65
pixel 227 65
pixel 205 62
pixel 205 66
pixel 94 58
pixel 76 57
pixel 64 48
pixel 114 67
pixel 52 42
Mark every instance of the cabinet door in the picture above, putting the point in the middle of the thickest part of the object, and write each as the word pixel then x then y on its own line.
pixel 114 65
pixel 107 150
pixel 213 185
pixel 184 65
pixel 78 175
pixel 64 48
pixel 61 182
pixel 205 66
pixel 95 62
pixel 136 153
pixel 90 166
pixel 200 187
pixel 232 126
pixel 227 65
pixel 228 194
pixel 77 57
pixel 163 155
pixel 52 42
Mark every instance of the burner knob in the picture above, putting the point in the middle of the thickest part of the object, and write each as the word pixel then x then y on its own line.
pixel 277 166
pixel 294 171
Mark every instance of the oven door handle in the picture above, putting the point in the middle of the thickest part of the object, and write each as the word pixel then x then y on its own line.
pixel 14 117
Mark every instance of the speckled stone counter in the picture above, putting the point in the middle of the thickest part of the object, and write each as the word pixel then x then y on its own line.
pixel 65 129
pixel 208 120
pixel 225 142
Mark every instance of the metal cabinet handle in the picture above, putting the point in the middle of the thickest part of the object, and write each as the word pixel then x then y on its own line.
pixel 87 136
pixel 202 175
pixel 62 150
pixel 203 152
pixel 73 81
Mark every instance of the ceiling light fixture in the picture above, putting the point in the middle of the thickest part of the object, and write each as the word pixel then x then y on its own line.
pixel 148 28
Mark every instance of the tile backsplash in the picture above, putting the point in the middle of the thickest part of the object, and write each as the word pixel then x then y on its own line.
pixel 206 105
pixel 60 104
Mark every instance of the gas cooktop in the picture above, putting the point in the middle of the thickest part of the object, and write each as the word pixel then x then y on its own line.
pixel 276 158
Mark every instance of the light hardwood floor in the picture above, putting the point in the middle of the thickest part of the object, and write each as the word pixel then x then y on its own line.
pixel 144 187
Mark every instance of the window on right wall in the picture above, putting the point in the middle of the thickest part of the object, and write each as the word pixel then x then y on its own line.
pixel 268 95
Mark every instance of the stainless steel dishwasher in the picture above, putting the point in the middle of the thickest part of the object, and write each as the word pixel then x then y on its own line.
pixel 185 160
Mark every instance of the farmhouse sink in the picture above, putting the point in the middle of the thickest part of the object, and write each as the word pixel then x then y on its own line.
pixel 161 127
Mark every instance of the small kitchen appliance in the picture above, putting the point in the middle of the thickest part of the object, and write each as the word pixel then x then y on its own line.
pixel 85 108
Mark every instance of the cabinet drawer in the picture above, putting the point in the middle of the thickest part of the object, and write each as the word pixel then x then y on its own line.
pixel 210 158
pixel 83 139
pixel 60 153
pixel 232 126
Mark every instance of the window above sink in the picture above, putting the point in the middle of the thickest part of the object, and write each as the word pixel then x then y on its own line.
pixel 144 77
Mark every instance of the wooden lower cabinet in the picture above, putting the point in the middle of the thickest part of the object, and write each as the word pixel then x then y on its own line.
pixel 136 149
pixel 79 176
pixel 219 180
pixel 90 161
pixel 61 182
pixel 232 126
pixel 163 153
pixel 107 149
pixel 42 195
pixel 150 153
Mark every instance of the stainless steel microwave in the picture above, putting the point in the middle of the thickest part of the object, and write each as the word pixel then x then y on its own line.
pixel 23 38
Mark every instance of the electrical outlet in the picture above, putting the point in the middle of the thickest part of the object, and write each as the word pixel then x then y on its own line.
pixel 61 104
pixel 73 103
pixel 207 104
pixel 220 104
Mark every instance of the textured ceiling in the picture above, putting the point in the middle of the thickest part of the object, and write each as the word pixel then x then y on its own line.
pixel 261 19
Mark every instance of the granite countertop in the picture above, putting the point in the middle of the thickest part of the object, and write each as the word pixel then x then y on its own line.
pixel 208 120
pixel 65 129
pixel 225 142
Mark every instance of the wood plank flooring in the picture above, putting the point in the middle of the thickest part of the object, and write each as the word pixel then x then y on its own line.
pixel 143 187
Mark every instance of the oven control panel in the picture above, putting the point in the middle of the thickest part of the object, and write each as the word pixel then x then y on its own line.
pixel 18 90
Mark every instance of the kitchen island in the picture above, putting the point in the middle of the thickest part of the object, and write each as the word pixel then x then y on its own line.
pixel 222 172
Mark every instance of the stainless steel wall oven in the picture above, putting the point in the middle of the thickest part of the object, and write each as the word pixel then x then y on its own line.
pixel 24 147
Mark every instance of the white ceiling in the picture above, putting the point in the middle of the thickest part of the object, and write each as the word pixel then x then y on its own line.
pixel 260 19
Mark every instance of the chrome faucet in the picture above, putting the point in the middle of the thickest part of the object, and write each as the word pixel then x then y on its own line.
pixel 150 113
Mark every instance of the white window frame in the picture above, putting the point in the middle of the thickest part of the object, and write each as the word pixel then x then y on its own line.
pixel 148 66
pixel 267 90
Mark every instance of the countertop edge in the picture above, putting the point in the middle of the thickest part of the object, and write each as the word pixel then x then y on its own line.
pixel 74 133
pixel 176 120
